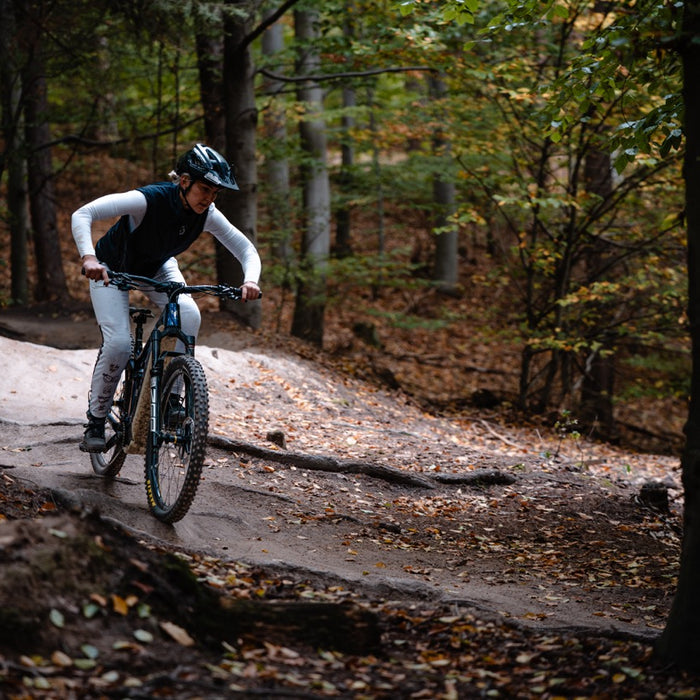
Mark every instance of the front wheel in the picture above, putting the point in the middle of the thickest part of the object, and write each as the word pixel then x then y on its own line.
pixel 175 452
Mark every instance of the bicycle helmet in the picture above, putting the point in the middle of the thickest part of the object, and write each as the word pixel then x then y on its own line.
pixel 204 163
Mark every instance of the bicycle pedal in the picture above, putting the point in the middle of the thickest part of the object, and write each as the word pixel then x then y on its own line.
pixel 92 449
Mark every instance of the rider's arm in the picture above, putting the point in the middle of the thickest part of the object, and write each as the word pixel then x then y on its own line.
pixel 110 206
pixel 240 247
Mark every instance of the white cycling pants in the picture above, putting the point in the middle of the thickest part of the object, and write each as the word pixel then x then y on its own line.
pixel 111 307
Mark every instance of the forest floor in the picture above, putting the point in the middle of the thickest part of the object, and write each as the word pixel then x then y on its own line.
pixel 426 556
pixel 414 539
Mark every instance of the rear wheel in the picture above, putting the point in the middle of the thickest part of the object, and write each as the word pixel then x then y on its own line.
pixel 109 463
pixel 175 455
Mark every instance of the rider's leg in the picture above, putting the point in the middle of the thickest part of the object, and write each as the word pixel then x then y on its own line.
pixel 190 318
pixel 111 307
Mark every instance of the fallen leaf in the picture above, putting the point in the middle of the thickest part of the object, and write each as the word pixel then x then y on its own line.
pixel 177 633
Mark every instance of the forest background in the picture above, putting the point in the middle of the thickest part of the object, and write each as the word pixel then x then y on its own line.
pixel 480 208
pixel 411 163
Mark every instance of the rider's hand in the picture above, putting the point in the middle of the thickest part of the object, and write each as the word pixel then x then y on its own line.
pixel 94 270
pixel 250 291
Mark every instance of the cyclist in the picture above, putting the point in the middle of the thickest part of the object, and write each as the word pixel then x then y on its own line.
pixel 156 222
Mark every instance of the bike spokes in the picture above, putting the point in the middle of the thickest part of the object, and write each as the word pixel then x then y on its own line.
pixel 176 451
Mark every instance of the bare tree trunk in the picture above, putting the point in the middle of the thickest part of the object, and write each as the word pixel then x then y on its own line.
pixel 51 280
pixel 241 122
pixel 597 389
pixel 343 244
pixel 596 413
pixel 311 287
pixel 210 64
pixel 680 641
pixel 343 238
pixel 379 191
pixel 445 270
pixel 277 163
pixel 19 224
pixel 104 127
pixel 14 162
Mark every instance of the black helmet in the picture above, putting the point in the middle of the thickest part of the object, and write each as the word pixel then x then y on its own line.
pixel 204 163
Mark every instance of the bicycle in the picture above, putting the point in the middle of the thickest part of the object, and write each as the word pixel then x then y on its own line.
pixel 162 408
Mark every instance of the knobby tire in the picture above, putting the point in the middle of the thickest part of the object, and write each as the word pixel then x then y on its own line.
pixel 173 471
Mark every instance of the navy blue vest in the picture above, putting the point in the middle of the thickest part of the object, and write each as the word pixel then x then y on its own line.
pixel 166 230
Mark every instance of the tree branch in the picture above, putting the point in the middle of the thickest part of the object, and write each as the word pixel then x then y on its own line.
pixel 267 22
pixel 339 76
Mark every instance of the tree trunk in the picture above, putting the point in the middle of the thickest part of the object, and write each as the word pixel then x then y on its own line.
pixel 596 410
pixel 19 225
pixel 596 405
pixel 680 641
pixel 445 270
pixel 311 286
pixel 51 280
pixel 343 245
pixel 343 242
pixel 10 90
pixel 241 122
pixel 210 65
pixel 277 164
pixel 379 192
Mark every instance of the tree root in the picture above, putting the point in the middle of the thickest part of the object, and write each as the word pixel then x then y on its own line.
pixel 480 477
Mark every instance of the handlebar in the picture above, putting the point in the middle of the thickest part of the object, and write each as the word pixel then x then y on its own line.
pixel 125 282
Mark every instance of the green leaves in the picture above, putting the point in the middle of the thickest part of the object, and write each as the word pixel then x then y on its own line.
pixel 461 11
pixel 458 11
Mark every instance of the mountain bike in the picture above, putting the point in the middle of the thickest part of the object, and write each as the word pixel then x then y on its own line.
pixel 161 409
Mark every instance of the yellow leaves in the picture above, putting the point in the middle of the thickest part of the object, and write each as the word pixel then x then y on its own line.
pixel 121 605
pixel 521 95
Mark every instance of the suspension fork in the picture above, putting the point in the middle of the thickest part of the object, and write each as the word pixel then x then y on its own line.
pixel 154 388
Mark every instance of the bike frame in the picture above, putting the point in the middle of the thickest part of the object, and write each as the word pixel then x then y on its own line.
pixel 169 430
pixel 148 359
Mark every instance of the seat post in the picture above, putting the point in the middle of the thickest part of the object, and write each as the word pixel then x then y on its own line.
pixel 139 317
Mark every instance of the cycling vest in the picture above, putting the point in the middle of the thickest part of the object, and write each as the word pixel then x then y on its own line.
pixel 166 230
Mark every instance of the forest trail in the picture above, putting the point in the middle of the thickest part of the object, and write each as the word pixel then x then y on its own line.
pixel 558 541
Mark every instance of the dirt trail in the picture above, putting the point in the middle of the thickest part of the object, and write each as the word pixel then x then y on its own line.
pixel 552 549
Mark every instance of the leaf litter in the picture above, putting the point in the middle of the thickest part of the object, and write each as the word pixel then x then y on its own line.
pixel 562 539
pixel 568 533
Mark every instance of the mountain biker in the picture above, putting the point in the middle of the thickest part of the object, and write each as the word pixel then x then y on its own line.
pixel 156 222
